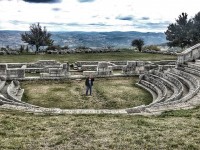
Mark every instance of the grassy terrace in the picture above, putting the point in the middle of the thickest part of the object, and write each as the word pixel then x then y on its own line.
pixel 123 55
pixel 110 93
pixel 171 130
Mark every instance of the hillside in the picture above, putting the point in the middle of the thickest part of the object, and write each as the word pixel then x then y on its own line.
pixel 89 39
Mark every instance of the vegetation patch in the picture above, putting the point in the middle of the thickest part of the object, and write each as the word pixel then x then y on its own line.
pixel 112 93
pixel 123 55
pixel 26 131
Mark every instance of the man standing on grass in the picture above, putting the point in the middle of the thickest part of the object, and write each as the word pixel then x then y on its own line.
pixel 89 83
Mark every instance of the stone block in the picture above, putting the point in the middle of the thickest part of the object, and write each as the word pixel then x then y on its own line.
pixel 3 68
pixel 102 65
pixel 87 73
pixel 140 63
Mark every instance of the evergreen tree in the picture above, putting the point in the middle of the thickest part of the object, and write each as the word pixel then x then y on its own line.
pixel 179 33
pixel 195 30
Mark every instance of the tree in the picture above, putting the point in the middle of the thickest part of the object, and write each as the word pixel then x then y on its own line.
pixel 195 30
pixel 138 43
pixel 179 33
pixel 36 36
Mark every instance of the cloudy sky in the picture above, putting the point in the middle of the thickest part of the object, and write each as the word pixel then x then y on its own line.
pixel 94 15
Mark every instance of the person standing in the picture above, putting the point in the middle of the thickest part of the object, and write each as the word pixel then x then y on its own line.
pixel 89 83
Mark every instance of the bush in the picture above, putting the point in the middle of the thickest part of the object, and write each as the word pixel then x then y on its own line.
pixel 152 47
pixel 54 47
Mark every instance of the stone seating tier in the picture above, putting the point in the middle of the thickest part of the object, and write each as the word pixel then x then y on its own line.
pixel 177 84
pixel 169 85
pixel 152 87
pixel 167 105
pixel 156 86
pixel 194 81
pixel 15 92
pixel 190 71
pixel 2 84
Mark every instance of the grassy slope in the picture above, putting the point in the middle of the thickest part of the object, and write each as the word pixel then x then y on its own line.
pixel 123 55
pixel 172 130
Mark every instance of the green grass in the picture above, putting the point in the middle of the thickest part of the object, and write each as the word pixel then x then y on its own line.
pixel 27 131
pixel 124 55
pixel 108 93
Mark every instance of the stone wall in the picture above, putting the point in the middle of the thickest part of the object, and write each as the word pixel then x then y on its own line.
pixel 134 67
pixel 189 54
pixel 15 73
pixel 3 68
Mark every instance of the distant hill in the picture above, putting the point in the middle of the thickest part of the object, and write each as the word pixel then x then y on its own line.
pixel 89 39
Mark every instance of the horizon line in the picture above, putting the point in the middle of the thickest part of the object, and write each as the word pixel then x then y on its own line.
pixel 86 31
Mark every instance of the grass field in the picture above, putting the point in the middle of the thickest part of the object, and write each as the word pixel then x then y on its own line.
pixel 107 94
pixel 171 130
pixel 115 56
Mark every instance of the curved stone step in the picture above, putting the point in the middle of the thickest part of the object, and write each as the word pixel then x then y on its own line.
pixel 153 93
pixel 2 84
pixel 193 90
pixel 15 102
pixel 158 84
pixel 192 71
pixel 160 96
pixel 172 91
pixel 194 66
pixel 14 92
pixel 4 91
pixel 177 85
pixel 190 80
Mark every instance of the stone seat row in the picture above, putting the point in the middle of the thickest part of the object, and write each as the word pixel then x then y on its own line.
pixel 12 94
pixel 174 80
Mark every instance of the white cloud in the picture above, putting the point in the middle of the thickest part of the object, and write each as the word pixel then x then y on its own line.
pixel 98 15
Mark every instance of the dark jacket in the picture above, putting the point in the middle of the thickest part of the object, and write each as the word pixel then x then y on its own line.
pixel 87 81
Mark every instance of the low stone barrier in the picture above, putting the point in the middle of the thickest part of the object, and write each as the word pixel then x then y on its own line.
pixel 15 65
pixel 56 72
pixel 87 73
pixel 34 70
pixel 118 67
pixel 119 63
pixel 89 68
pixel 13 73
pixel 80 63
